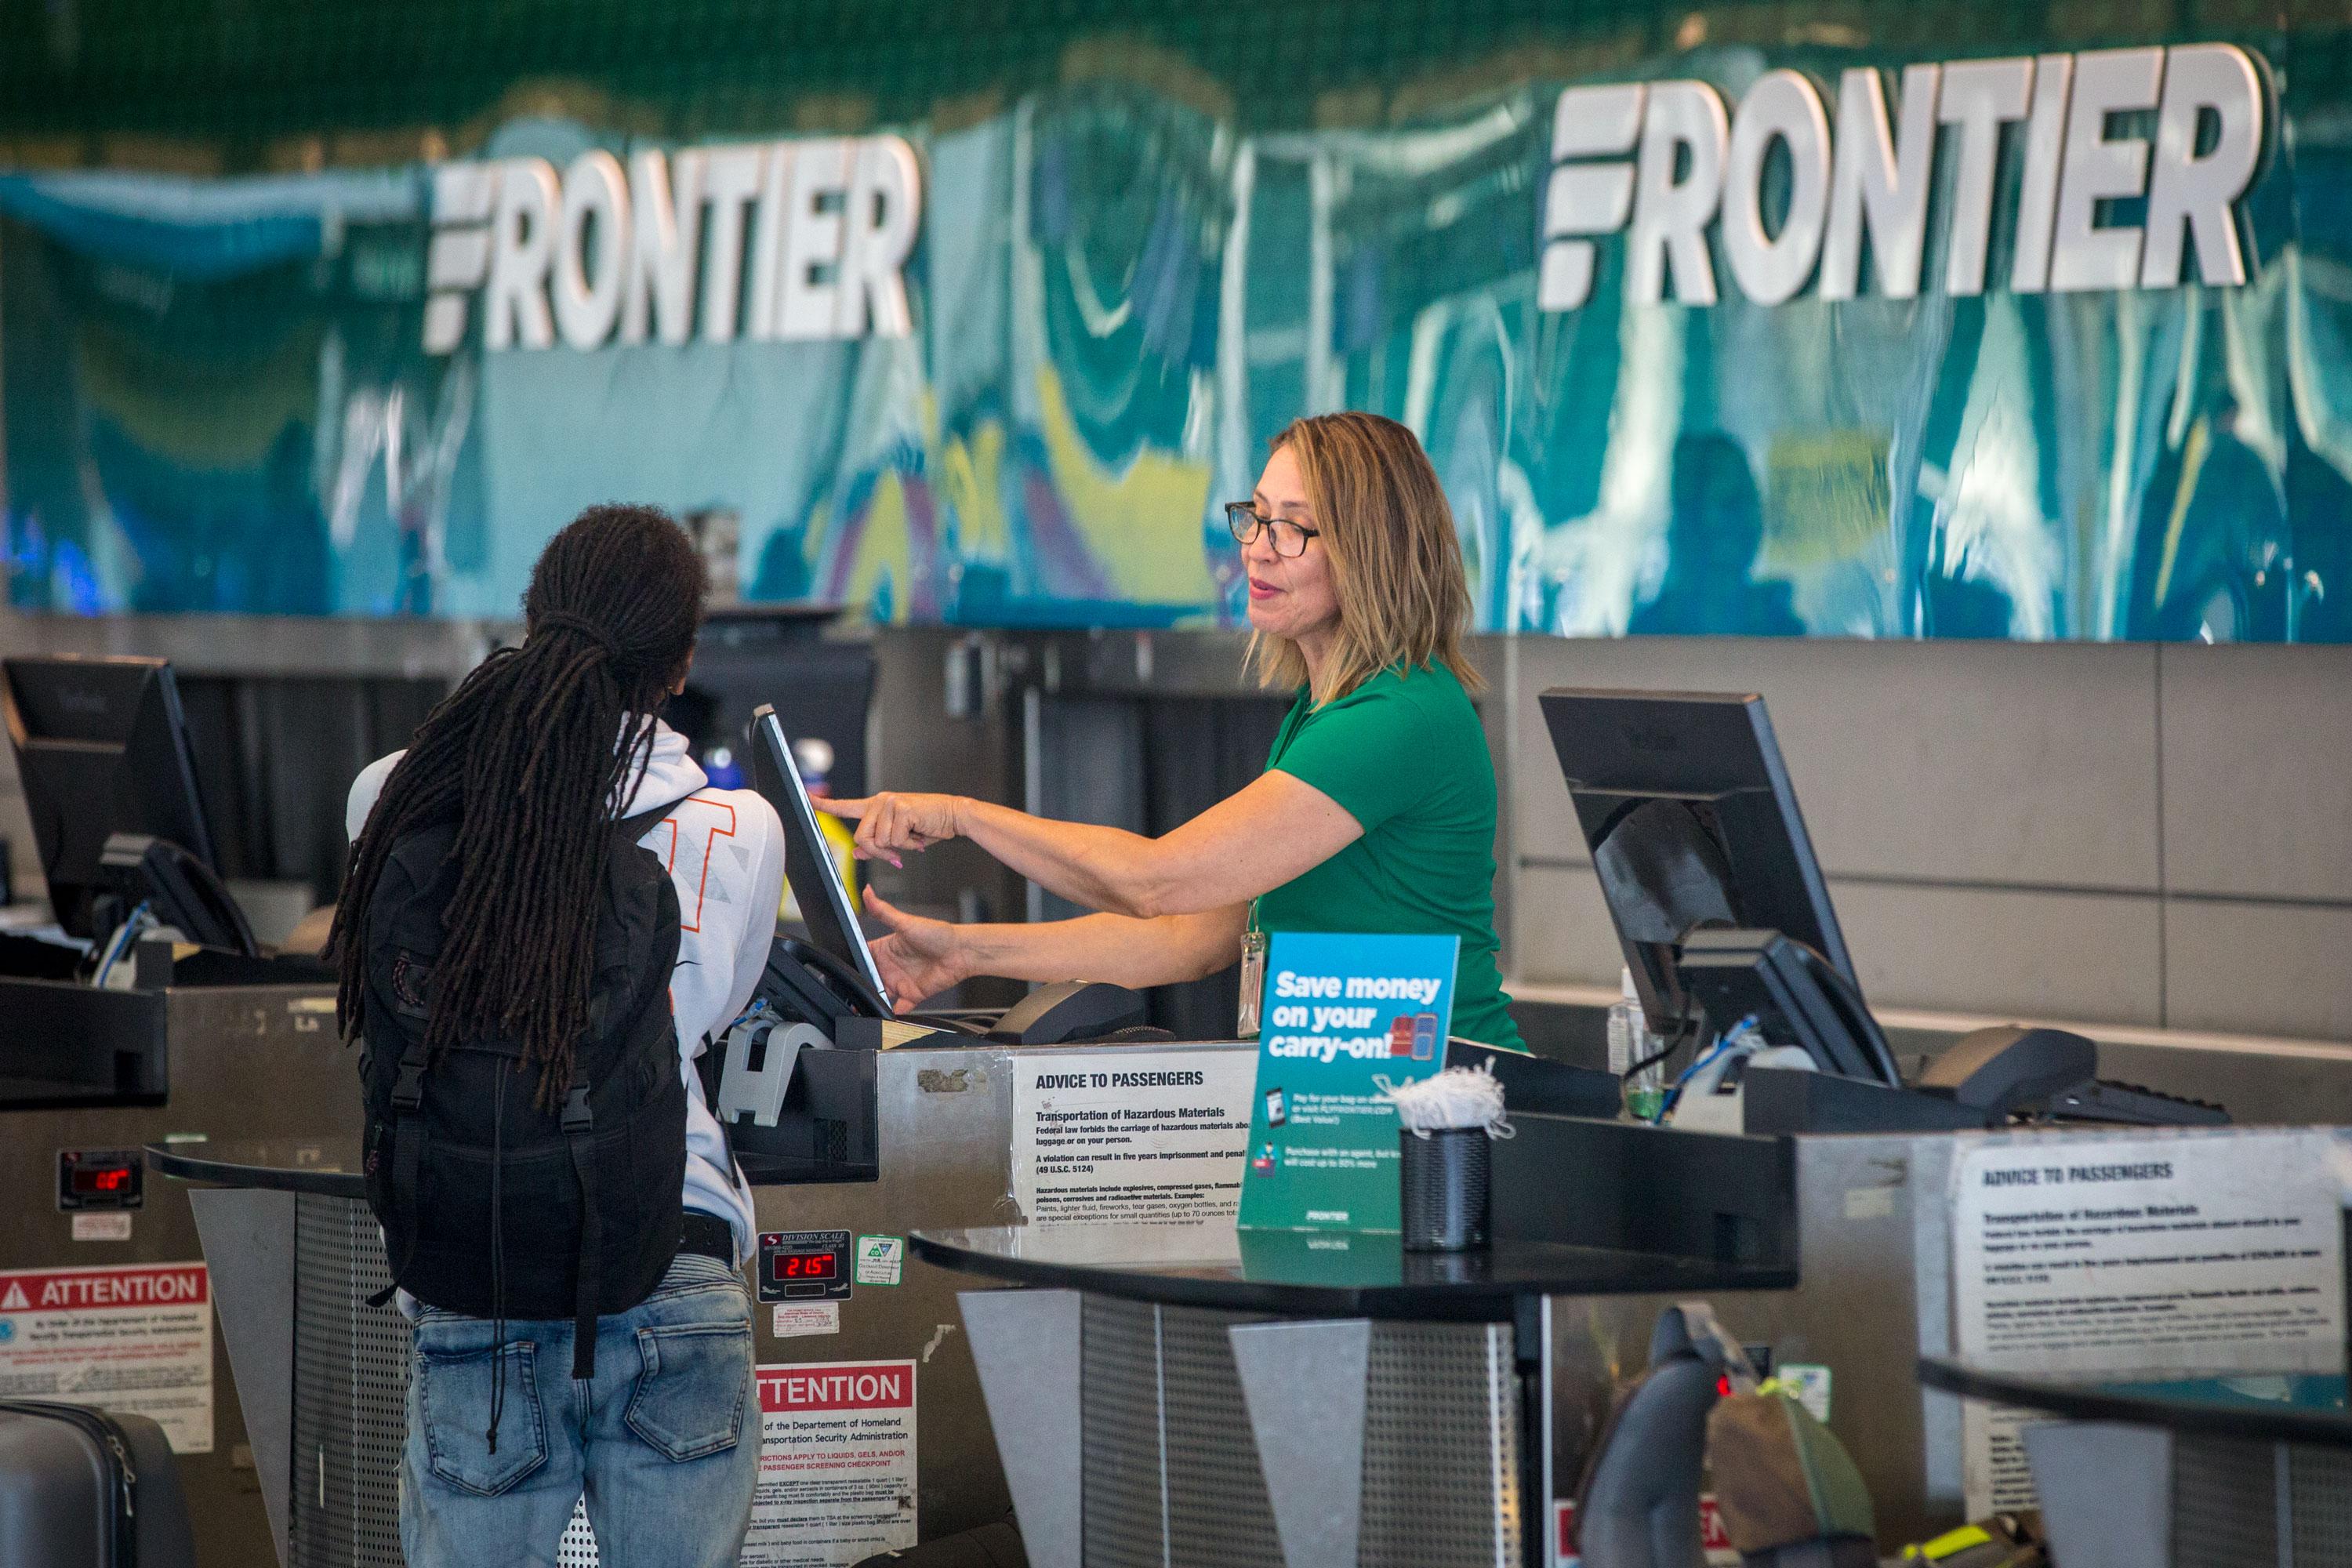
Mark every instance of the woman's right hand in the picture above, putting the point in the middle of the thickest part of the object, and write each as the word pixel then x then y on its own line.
pixel 895 821
pixel 919 958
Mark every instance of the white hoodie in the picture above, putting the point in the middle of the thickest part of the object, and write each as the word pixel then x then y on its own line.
pixel 725 850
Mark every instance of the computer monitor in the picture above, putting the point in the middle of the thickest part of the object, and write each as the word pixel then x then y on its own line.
pixel 1687 811
pixel 816 884
pixel 102 747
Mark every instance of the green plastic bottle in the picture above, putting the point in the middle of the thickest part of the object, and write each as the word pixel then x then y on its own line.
pixel 1631 1041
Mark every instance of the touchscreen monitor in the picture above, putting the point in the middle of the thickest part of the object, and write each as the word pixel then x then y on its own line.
pixel 815 882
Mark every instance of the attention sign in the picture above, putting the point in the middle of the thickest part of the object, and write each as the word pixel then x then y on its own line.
pixel 837 1470
pixel 137 1338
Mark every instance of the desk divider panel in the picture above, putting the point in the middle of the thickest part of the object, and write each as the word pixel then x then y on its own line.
pixel 1165 1442
pixel 1028 1347
pixel 1305 1386
pixel 2106 1493
pixel 248 1237
pixel 350 1387
pixel 1170 1477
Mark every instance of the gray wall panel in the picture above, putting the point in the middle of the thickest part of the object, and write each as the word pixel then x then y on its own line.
pixel 2006 825
pixel 2258 770
pixel 1954 761
pixel 2280 969
pixel 1978 762
pixel 2035 953
pixel 1534 800
pixel 1561 928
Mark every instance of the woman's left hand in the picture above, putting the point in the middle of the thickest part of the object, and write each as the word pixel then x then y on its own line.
pixel 892 822
pixel 919 958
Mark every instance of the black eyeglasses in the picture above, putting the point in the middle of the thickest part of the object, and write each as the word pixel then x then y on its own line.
pixel 1289 539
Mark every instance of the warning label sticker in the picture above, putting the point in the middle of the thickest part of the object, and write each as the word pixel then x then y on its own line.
pixel 1712 1536
pixel 137 1338
pixel 836 1464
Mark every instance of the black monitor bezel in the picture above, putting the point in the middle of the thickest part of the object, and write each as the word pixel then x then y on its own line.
pixel 1756 768
pixel 156 722
pixel 815 882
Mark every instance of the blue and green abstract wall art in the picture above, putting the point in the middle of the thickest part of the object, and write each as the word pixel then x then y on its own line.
pixel 1915 321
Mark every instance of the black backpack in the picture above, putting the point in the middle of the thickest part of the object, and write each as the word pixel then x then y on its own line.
pixel 491 1206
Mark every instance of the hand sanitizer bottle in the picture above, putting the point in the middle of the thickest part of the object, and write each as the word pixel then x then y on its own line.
pixel 1631 1041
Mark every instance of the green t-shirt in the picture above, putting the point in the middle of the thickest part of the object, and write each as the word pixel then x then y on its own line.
pixel 1403 754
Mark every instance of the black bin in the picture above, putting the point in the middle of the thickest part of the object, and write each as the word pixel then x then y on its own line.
pixel 1446 1176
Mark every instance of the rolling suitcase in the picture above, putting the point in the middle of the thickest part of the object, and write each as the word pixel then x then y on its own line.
pixel 81 1487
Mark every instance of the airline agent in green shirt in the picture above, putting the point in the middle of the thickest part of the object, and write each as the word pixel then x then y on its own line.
pixel 1376 811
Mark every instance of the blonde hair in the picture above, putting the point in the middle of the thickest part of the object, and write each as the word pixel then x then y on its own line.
pixel 1395 562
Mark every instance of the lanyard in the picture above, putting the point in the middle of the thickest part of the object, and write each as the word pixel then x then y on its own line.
pixel 1254 939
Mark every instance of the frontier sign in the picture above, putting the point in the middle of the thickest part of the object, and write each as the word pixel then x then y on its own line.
pixel 774 240
pixel 1660 162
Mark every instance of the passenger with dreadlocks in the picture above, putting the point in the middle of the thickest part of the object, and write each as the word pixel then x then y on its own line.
pixel 548 913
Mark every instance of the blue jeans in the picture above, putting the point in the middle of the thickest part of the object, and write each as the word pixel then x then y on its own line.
pixel 665 1439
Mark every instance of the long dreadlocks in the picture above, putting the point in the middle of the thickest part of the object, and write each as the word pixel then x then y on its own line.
pixel 530 758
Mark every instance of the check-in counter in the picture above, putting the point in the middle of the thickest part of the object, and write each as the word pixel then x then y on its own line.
pixel 90 1079
pixel 968 1140
pixel 935 1139
pixel 955 1143
pixel 1290 1399
pixel 1884 1245
pixel 2178 1472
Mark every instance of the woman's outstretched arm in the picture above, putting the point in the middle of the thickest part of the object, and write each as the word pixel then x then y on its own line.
pixel 1250 842
pixel 923 957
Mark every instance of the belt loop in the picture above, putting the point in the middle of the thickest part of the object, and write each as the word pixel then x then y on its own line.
pixel 705 1235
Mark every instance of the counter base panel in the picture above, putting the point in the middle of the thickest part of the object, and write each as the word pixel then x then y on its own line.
pixel 350 1386
pixel 264 1060
pixel 1168 1437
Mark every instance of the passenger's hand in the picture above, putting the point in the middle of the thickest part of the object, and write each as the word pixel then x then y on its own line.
pixel 891 823
pixel 919 958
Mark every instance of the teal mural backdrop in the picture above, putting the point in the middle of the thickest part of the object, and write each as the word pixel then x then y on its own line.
pixel 1135 241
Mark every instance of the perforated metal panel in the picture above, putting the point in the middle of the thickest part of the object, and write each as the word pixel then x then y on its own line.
pixel 578 1549
pixel 1173 1478
pixel 1126 1516
pixel 350 1398
pixel 2226 1505
pixel 1217 1507
pixel 1441 1447
pixel 2320 1482
pixel 351 1391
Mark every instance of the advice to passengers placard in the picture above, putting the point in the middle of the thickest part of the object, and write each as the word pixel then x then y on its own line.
pixel 2174 1256
pixel 2138 1257
pixel 1132 1135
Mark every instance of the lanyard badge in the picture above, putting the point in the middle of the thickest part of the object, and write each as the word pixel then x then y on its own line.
pixel 1253 982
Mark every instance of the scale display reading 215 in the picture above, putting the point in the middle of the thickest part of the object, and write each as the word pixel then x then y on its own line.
pixel 804 1266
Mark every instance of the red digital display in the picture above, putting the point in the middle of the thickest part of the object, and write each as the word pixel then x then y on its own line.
pixel 98 1179
pixel 807 1266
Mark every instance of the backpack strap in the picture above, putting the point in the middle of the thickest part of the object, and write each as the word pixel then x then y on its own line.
pixel 407 1157
pixel 579 1133
pixel 579 1126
